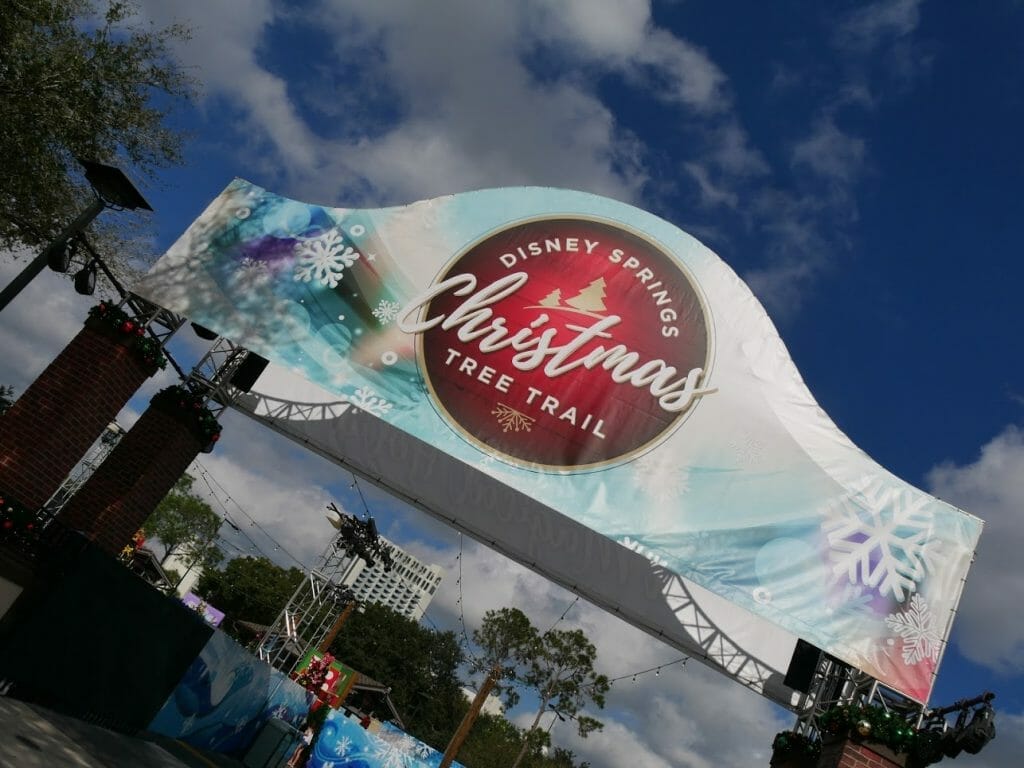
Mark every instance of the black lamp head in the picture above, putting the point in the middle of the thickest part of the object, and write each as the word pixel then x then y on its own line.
pixel 85 280
pixel 113 186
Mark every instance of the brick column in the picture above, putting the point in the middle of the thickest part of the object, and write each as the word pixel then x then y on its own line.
pixel 847 753
pixel 125 489
pixel 51 426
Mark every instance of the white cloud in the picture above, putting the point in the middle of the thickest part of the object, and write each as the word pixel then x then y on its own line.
pixel 44 317
pixel 870 26
pixel 830 153
pixel 711 194
pixel 988 629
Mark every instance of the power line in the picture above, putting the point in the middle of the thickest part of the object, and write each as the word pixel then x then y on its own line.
pixel 226 516
pixel 252 520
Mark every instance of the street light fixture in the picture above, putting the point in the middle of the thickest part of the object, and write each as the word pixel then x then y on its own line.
pixel 113 190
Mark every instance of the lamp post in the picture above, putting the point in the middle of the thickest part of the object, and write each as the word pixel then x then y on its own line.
pixel 113 190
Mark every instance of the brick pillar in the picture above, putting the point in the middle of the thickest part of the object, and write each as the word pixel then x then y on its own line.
pixel 125 489
pixel 51 426
pixel 847 753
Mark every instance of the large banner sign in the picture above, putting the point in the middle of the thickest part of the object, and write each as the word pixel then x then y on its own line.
pixel 569 363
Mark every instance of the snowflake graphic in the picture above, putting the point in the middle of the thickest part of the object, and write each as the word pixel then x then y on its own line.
pixel 386 311
pixel 343 747
pixel 916 626
pixel 249 264
pixel 365 399
pixel 422 750
pixel 394 754
pixel 659 474
pixel 878 536
pixel 324 259
pixel 640 549
pixel 510 418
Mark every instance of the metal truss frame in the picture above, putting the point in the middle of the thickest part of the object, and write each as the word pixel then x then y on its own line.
pixel 835 683
pixel 95 456
pixel 311 612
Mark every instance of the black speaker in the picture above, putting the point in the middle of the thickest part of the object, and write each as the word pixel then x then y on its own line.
pixel 247 373
pixel 801 666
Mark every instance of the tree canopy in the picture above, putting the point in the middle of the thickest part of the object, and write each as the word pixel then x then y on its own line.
pixel 79 79
pixel 186 525
pixel 7 398
pixel 509 642
pixel 562 673
pixel 249 589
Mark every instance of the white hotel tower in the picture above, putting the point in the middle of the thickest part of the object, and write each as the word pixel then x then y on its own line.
pixel 407 589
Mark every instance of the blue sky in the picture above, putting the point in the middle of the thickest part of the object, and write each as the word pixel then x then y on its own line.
pixel 857 163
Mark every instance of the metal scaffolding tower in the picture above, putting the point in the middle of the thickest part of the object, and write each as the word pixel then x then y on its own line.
pixel 313 615
pixel 93 458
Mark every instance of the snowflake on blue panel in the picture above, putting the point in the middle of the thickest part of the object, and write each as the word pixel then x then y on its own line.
pixel 343 747
pixel 395 752
pixel 324 259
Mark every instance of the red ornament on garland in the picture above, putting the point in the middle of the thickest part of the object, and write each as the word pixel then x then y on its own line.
pixel 8 524
pixel 127 326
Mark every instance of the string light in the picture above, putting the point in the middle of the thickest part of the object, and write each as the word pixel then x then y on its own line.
pixel 207 477
pixel 564 613
pixel 253 546
pixel 474 661
pixel 656 670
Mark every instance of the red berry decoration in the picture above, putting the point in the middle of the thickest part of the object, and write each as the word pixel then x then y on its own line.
pixel 127 326
pixel 8 524
pixel 30 526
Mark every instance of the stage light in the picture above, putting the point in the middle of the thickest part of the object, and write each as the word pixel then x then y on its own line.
pixel 61 254
pixel 85 280
pixel 979 732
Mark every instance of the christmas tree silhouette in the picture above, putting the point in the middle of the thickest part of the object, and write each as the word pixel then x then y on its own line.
pixel 589 299
pixel 553 299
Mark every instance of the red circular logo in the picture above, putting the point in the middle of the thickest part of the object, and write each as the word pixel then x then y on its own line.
pixel 564 343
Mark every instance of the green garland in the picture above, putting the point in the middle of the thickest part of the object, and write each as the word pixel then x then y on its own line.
pixel 117 324
pixel 18 523
pixel 879 726
pixel 185 402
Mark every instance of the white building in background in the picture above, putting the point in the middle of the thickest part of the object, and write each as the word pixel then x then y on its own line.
pixel 189 575
pixel 407 588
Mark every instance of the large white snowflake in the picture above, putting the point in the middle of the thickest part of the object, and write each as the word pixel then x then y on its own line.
pixel 343 747
pixel 422 750
pixel 324 258
pixel 367 400
pixel 386 311
pixel 878 536
pixel 397 753
pixel 916 625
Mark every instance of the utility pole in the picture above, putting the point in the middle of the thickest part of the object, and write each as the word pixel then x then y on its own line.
pixel 467 722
